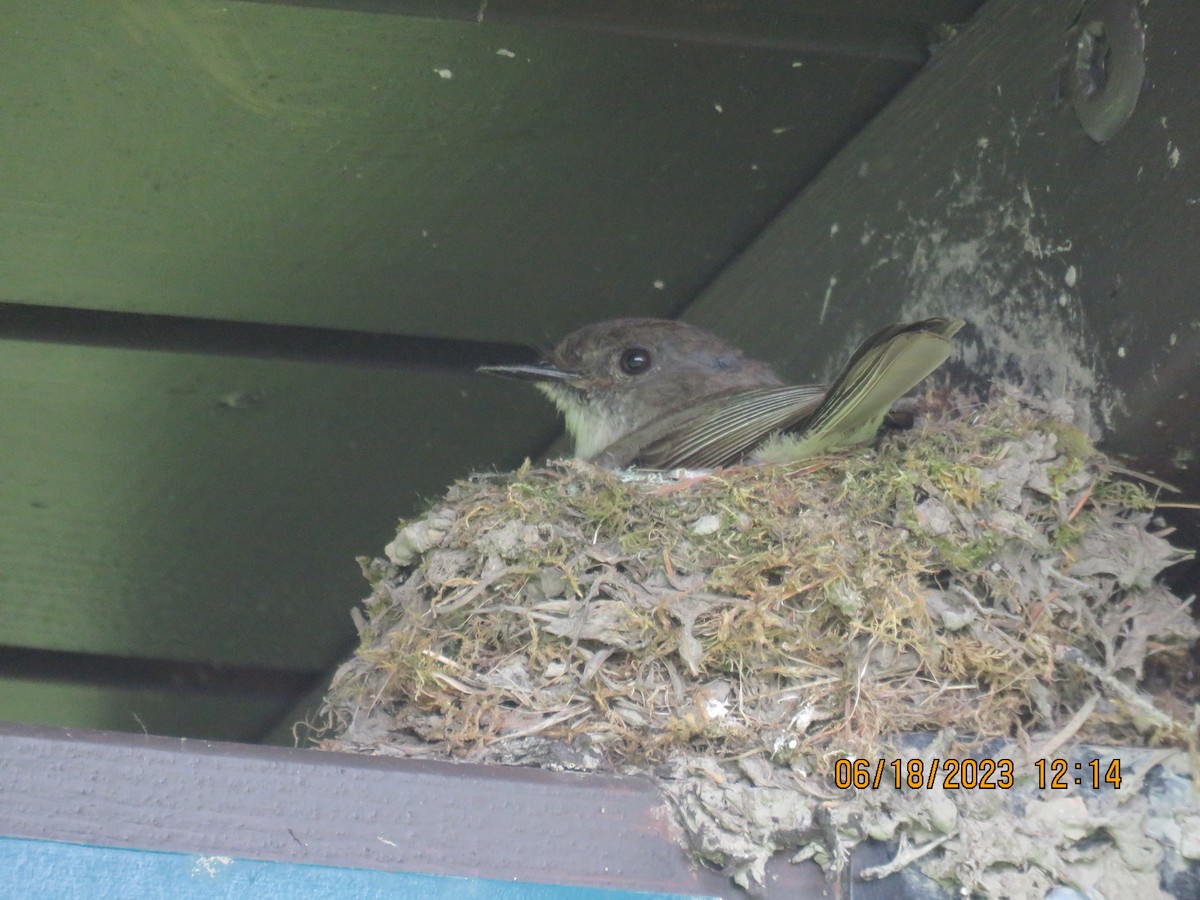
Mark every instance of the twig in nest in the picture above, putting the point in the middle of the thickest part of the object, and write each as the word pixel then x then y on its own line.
pixel 1068 730
pixel 1082 500
pixel 469 595
pixel 1116 687
pixel 1133 783
pixel 1140 476
pixel 903 857
pixel 558 718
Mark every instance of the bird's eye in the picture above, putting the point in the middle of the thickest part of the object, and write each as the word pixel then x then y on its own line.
pixel 635 361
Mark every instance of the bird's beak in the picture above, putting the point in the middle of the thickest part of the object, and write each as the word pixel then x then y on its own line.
pixel 543 371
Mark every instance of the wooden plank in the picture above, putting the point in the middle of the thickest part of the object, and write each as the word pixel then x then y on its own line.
pixel 297 165
pixel 977 193
pixel 876 29
pixel 329 809
pixel 176 506
pixel 183 713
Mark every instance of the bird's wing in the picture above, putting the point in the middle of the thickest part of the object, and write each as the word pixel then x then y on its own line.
pixel 887 365
pixel 815 418
pixel 717 431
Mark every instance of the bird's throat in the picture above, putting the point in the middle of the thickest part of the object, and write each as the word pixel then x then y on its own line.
pixel 592 425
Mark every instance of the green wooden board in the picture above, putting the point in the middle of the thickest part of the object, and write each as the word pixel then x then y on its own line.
pixel 285 163
pixel 163 712
pixel 187 507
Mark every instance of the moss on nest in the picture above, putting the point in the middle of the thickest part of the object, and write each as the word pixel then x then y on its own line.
pixel 985 575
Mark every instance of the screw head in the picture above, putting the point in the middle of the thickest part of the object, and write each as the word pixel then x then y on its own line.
pixel 1107 67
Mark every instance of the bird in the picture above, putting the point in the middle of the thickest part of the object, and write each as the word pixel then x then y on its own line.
pixel 664 394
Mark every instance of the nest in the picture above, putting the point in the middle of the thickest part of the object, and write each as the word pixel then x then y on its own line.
pixel 987 575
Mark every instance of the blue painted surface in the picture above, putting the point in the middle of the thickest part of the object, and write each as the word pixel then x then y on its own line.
pixel 32 870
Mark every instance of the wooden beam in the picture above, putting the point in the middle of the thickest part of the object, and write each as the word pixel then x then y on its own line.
pixel 870 29
pixel 333 809
pixel 977 192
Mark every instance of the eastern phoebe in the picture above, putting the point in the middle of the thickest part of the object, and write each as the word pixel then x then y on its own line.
pixel 662 394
